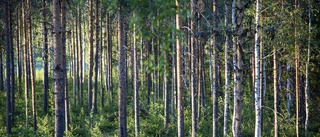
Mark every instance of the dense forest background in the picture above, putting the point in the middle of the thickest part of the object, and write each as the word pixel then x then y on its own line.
pixel 159 68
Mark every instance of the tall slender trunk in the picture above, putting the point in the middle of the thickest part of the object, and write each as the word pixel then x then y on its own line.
pixel 8 65
pixel 257 66
pixel 26 61
pixel 109 56
pixel 18 19
pixel 74 44
pixel 135 84
pixel 275 92
pixel 192 70
pixel 80 100
pixel 64 64
pixel 45 58
pixel 173 81
pixel 215 71
pixel 32 73
pixel 122 73
pixel 226 73
pixel 90 55
pixel 297 58
pixel 59 74
pixel 180 89
pixel 307 73
pixel 238 68
pixel 96 62
pixel 1 71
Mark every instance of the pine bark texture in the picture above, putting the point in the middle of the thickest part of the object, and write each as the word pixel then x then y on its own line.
pixel 180 89
pixel 59 79
pixel 122 73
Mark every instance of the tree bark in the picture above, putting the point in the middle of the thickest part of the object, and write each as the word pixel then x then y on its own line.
pixel 180 82
pixel 64 64
pixel 32 70
pixel 297 58
pixel 307 73
pixel 8 66
pixel 226 73
pixel 135 84
pixel 59 77
pixel 276 92
pixel 45 58
pixel 192 71
pixel 214 83
pixel 122 73
pixel 26 61
pixel 90 55
pixel 80 100
pixel 238 67
pixel 257 66
pixel 96 62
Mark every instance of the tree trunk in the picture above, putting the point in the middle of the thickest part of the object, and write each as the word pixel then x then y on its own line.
pixel 18 17
pixel 90 55
pixel 59 77
pixel 215 71
pixel 135 84
pixel 32 70
pixel 80 52
pixel 307 73
pixel 110 83
pixel 64 64
pixel 275 92
pixel 26 61
pixel 238 67
pixel 8 65
pixel 122 73
pixel 45 58
pixel 74 43
pixel 180 82
pixel 297 58
pixel 226 73
pixel 257 66
pixel 96 62
pixel 192 69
